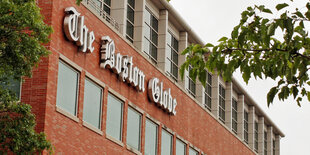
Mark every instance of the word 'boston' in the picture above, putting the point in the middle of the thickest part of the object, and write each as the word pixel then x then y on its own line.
pixel 121 65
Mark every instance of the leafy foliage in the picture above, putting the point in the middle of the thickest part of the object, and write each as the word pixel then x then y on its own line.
pixel 22 35
pixel 17 132
pixel 255 50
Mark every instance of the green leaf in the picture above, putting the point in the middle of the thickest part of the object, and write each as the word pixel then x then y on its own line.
pixel 281 6
pixel 267 11
pixel 299 14
pixel 209 45
pixel 308 96
pixel 246 74
pixel 271 94
pixel 271 29
pixel 203 77
pixel 234 33
pixel 223 39
pixel 294 91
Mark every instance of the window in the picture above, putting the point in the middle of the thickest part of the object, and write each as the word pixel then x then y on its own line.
pixel 172 56
pixel 166 142
pixel 192 151
pixel 150 35
pixel 274 147
pixel 101 5
pixel 130 20
pixel 107 6
pixel 246 126
pixel 67 88
pixel 114 117
pixel 180 147
pixel 256 137
pixel 208 91
pixel 92 104
pixel 222 103
pixel 13 85
pixel 265 143
pixel 191 84
pixel 150 138
pixel 133 128
pixel 234 115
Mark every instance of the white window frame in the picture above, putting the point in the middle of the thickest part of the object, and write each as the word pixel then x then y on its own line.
pixel 208 95
pixel 130 22
pixel 101 101
pixel 222 101
pixel 170 59
pixel 234 110
pixel 67 64
pixel 150 40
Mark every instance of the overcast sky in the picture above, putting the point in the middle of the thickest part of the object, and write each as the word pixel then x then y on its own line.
pixel 211 20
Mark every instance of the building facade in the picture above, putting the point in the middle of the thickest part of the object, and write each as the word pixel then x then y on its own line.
pixel 111 86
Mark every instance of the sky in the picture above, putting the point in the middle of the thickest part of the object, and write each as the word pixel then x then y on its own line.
pixel 212 20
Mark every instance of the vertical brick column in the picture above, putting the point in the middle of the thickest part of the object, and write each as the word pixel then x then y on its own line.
pixel 269 140
pixel 261 135
pixel 215 95
pixel 162 39
pixel 240 113
pixel 251 126
pixel 277 140
pixel 138 24
pixel 183 43
pixel 228 101
pixel 119 14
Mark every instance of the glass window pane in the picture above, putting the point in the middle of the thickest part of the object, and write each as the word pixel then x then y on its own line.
pixel 67 88
pixel 192 151
pixel 146 46
pixel 154 52
pixel 107 9
pixel 169 39
pixel 147 32
pixel 209 78
pixel 108 2
pixel 12 85
pixel 174 57
pixel 168 65
pixel 175 44
pixel 166 143
pixel 130 14
pixel 154 37
pixel 168 51
pixel 175 71
pixel 150 138
pixel 92 104
pixel 180 148
pixel 114 117
pixel 131 3
pixel 154 23
pixel 133 128
pixel 129 29
pixel 147 17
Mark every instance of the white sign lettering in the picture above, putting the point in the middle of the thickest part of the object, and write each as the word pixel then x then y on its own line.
pixel 121 65
pixel 161 97
pixel 76 31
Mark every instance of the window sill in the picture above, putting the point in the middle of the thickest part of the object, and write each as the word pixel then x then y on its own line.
pixel 91 127
pixel 115 140
pixel 67 114
pixel 135 151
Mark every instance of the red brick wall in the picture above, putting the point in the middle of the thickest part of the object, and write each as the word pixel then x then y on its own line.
pixel 70 137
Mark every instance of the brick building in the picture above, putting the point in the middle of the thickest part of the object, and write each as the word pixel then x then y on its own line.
pixel 111 86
